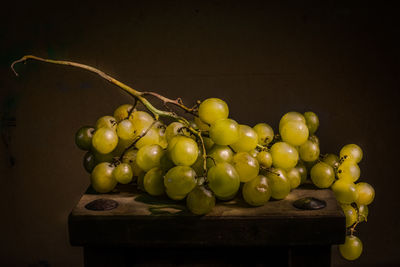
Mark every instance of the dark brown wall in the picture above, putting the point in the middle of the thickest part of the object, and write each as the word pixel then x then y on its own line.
pixel 341 61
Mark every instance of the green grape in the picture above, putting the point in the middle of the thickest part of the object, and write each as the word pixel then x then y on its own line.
pixel 248 139
pixel 322 175
pixel 254 153
pixel 331 159
pixel 200 200
pixel 348 170
pixel 366 193
pixel 102 178
pixel 123 173
pixel 141 121
pixel 303 171
pixel 219 154
pixel 312 121
pixel 350 213
pixel 179 181
pixel 352 248
pixel 121 113
pixel 309 165
pixel 225 132
pixel 257 192
pixel 246 166
pixel 345 191
pixel 89 161
pixel 294 133
pixel 201 124
pixel 294 177
pixel 351 152
pixel 103 157
pixel 314 138
pixel 166 163
pixel 151 138
pixel 265 133
pixel 362 212
pixel 284 155
pixel 149 157
pixel 264 159
pixel 223 180
pixel 291 116
pixel 153 182
pixel 83 137
pixel 213 109
pixel 183 150
pixel 104 140
pixel 106 122
pixel 280 185
pixel 174 129
pixel 125 130
pixel 130 158
pixel 198 166
pixel 208 143
pixel 309 151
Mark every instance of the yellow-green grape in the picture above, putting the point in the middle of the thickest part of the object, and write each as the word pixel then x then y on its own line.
pixel 294 178
pixel 345 191
pixel 141 121
pixel 351 152
pixel 104 140
pixel 362 212
pixel 102 178
pixel 348 170
pixel 130 158
pixel 294 133
pixel 183 150
pixel 106 122
pixel 213 109
pixel 257 192
pixel 265 133
pixel 350 213
pixel 246 166
pixel 179 181
pixel 366 193
pixel 166 163
pixel 83 137
pixel 123 173
pixel 303 171
pixel 174 129
pixel 208 143
pixel 151 138
pixel 254 153
pixel 149 157
pixel 201 124
pixel 331 159
pixel 291 116
pixel 352 248
pixel 280 185
pixel 200 200
pixel 153 182
pixel 225 132
pixel 223 180
pixel 309 151
pixel 322 175
pixel 121 113
pixel 264 159
pixel 284 155
pixel 312 121
pixel 219 154
pixel 248 139
pixel 125 130
pixel 314 138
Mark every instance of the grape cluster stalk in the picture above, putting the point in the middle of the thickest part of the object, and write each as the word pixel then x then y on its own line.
pixel 213 158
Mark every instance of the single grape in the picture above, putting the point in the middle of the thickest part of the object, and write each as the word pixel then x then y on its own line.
pixel 104 140
pixel 312 121
pixel 291 116
pixel 366 193
pixel 322 175
pixel 141 120
pixel 200 200
pixel 89 161
pixel 254 153
pixel 183 150
pixel 130 158
pixel 248 139
pixel 309 151
pixel 83 137
pixel 265 159
pixel 294 133
pixel 345 191
pixel 106 122
pixel 123 173
pixel 303 171
pixel 348 170
pixel 151 138
pixel 294 177
pixel 352 248
pixel 149 157
pixel 201 124
pixel 125 130
pixel 166 163
pixel 265 133
pixel 225 132
pixel 153 182
pixel 350 213
pixel 284 155
pixel 223 180
pixel 121 113
pixel 179 181
pixel 213 109
pixel 314 138
pixel 351 152
pixel 102 178
pixel 362 212
pixel 280 185
pixel 174 129
pixel 246 166
pixel 331 159
pixel 218 154
pixel 257 192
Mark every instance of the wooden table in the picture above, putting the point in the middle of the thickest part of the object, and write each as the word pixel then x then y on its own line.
pixel 145 230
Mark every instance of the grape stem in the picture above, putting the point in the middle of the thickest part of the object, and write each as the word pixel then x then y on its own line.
pixel 136 94
pixel 177 102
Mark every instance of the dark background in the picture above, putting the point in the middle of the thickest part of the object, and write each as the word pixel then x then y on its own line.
pixel 339 60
